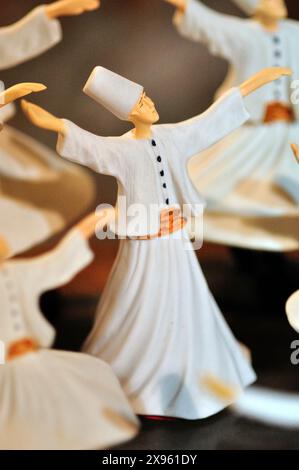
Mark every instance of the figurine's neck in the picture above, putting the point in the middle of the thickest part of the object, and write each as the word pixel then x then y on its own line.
pixel 142 131
pixel 268 23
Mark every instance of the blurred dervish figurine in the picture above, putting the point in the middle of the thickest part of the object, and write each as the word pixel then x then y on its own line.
pixel 292 305
pixel 39 195
pixel 292 310
pixel 52 399
pixel 158 325
pixel 248 180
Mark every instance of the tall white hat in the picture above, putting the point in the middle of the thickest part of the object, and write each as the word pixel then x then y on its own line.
pixel 116 93
pixel 249 6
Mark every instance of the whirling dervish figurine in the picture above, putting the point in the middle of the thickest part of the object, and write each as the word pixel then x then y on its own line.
pixel 51 399
pixel 292 305
pixel 39 195
pixel 248 180
pixel 158 325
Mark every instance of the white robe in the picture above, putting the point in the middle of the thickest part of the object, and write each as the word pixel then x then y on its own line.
pixel 249 180
pixel 158 325
pixel 27 169
pixel 29 37
pixel 54 399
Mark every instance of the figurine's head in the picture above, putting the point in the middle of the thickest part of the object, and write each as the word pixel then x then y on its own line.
pixel 144 111
pixel 4 250
pixel 124 98
pixel 272 9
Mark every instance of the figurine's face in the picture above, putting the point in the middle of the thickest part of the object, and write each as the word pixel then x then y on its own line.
pixel 274 9
pixel 4 250
pixel 145 111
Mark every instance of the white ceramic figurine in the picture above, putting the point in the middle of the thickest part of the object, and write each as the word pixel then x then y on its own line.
pixel 158 325
pixel 248 180
pixel 39 195
pixel 53 399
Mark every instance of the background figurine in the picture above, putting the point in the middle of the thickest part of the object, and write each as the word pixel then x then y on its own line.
pixel 158 325
pixel 292 305
pixel 39 194
pixel 292 310
pixel 53 399
pixel 250 183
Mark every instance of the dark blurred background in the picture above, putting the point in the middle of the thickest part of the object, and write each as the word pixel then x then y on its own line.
pixel 136 38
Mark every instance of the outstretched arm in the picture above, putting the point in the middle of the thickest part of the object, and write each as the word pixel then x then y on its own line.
pixel 72 255
pixel 18 91
pixel 71 7
pixel 263 77
pixel 13 93
pixel 41 118
pixel 224 35
pixel 224 116
pixel 102 154
pixel 38 31
pixel 295 148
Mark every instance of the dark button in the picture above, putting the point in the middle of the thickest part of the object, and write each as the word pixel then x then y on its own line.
pixel 159 159
pixel 14 312
pixel 164 185
pixel 154 143
pixel 162 173
pixel 167 201
pixel 276 39
pixel 17 327
pixel 277 53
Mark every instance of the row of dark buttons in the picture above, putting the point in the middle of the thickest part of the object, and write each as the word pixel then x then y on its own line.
pixel 12 299
pixel 162 173
pixel 277 55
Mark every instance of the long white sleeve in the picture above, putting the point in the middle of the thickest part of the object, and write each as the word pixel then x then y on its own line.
pixel 102 154
pixel 27 38
pixel 199 133
pixel 224 35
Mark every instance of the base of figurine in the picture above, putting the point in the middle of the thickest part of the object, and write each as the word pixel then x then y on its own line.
pixel 158 418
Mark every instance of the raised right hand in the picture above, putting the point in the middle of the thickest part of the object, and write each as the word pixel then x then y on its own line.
pixel 41 118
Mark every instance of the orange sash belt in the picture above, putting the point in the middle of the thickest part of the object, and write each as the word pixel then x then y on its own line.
pixel 170 221
pixel 21 347
pixel 277 111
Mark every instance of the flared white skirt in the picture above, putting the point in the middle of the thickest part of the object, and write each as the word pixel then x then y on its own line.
pixel 250 181
pixel 62 401
pixel 160 329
